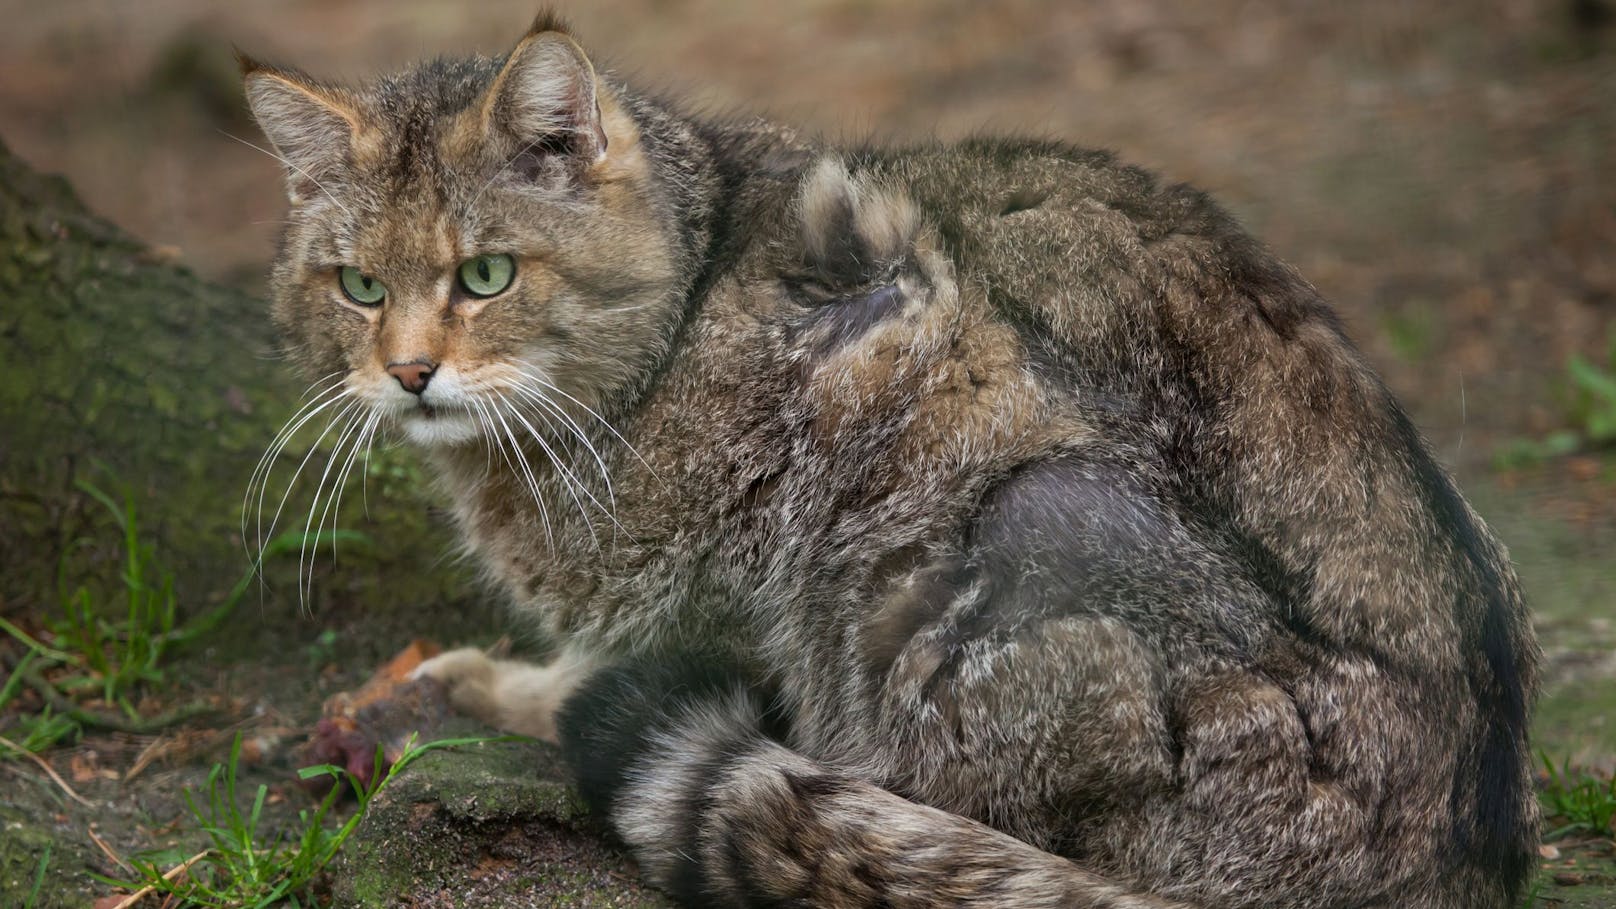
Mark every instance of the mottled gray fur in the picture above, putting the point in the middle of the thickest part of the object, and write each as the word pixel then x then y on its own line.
pixel 989 524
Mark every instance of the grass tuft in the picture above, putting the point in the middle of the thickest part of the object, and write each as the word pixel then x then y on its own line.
pixel 109 640
pixel 1580 803
pixel 39 880
pixel 1588 400
pixel 245 868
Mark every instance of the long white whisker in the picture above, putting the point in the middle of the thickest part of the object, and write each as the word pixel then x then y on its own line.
pixel 274 521
pixel 549 406
pixel 516 451
pixel 274 454
pixel 486 419
pixel 285 428
pixel 573 483
pixel 299 418
pixel 333 380
pixel 532 482
pixel 589 410
pixel 266 460
pixel 281 158
pixel 364 476
pixel 335 507
pixel 304 556
pixel 489 443
pixel 543 401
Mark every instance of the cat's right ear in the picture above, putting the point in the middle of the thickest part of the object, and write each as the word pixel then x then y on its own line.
pixel 312 127
pixel 545 95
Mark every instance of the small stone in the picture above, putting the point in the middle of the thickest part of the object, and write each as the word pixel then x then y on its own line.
pixel 1548 852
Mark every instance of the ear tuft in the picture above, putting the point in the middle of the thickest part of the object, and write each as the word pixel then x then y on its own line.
pixel 247 64
pixel 312 127
pixel 548 20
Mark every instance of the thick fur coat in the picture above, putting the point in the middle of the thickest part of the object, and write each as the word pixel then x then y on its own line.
pixel 971 525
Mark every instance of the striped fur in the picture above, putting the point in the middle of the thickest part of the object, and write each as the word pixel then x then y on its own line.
pixel 988 525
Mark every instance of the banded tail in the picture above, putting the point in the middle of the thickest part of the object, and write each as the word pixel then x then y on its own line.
pixel 688 766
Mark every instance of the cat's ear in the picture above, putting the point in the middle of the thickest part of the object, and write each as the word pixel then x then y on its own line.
pixel 545 95
pixel 311 126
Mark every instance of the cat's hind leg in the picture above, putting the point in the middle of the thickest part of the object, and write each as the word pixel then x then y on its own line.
pixel 510 695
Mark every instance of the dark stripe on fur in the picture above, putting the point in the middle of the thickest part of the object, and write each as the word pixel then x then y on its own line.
pixel 839 321
pixel 1493 776
pixel 606 726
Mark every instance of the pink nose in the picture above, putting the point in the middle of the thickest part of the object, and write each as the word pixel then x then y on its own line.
pixel 412 376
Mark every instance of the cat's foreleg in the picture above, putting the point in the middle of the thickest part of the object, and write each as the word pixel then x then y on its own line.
pixel 511 695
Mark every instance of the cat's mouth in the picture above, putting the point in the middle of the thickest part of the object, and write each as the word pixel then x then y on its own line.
pixel 438 424
pixel 437 410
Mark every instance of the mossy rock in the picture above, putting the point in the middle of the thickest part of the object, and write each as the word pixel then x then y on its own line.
pixel 24 841
pixel 490 825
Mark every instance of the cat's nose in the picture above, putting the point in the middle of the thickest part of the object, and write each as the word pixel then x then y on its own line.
pixel 413 375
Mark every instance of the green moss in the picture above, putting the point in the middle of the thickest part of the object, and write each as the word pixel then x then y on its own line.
pixel 489 825
pixel 23 841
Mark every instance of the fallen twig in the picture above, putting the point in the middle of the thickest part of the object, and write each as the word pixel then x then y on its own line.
pixel 155 748
pixel 168 875
pixel 89 718
pixel 107 850
pixel 49 770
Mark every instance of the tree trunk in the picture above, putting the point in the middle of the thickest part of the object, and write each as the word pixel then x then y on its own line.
pixel 130 373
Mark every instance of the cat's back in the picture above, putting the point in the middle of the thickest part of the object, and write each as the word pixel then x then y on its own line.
pixel 1238 380
pixel 1275 434
pixel 1087 249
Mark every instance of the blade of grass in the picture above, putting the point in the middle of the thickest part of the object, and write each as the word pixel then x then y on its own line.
pixel 39 880
pixel 14 681
pixel 32 643
pixel 168 876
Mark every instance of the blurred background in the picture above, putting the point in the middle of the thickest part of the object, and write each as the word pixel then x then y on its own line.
pixel 1442 171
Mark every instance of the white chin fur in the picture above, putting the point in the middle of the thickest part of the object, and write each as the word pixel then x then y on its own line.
pixel 441 429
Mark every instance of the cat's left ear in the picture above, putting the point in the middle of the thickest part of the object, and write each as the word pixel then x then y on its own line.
pixel 313 127
pixel 546 95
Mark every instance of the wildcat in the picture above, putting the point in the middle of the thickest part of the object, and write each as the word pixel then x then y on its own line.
pixel 971 525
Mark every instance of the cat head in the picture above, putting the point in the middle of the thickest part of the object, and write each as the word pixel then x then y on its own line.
pixel 468 235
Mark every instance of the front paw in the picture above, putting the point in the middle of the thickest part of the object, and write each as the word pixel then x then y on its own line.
pixel 506 694
pixel 467 676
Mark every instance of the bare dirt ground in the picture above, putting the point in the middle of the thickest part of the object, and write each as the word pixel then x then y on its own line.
pixel 1441 170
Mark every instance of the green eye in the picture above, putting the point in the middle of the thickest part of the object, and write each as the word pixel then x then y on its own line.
pixel 485 276
pixel 361 288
